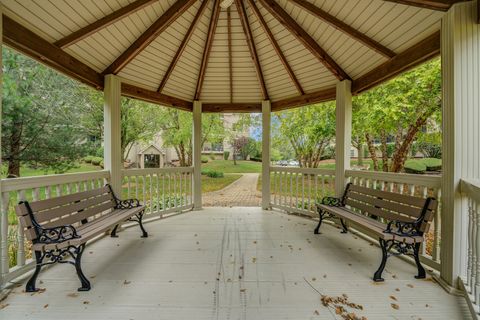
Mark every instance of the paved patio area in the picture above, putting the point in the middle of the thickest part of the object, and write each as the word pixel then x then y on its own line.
pixel 241 193
pixel 232 263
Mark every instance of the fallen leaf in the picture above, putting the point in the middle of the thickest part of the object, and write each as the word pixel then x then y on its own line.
pixel 243 290
pixel 72 295
pixel 314 279
pixel 393 298
pixel 410 285
pixel 86 302
pixel 126 282
pixel 316 313
pixel 254 260
pixel 395 306
pixel 3 306
pixel 45 306
pixel 397 289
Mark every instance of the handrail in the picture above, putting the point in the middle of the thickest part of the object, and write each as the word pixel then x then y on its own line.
pixel 148 171
pixel 304 170
pixel 417 179
pixel 16 184
pixel 471 188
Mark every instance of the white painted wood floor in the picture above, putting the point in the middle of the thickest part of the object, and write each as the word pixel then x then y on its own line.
pixel 232 263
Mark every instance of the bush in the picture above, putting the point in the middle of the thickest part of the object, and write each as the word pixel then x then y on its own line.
pixel 96 161
pixel 88 159
pixel 430 150
pixel 226 155
pixel 212 156
pixel 415 166
pixel 213 173
pixel 390 149
pixel 102 165
pixel 432 164
pixel 328 153
pixel 204 159
pixel 255 159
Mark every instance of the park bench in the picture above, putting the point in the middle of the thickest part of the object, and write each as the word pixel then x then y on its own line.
pixel 398 221
pixel 60 227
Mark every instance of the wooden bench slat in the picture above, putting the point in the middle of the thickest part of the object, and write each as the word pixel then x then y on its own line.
pixel 71 219
pixel 401 198
pixel 71 208
pixel 384 204
pixel 63 200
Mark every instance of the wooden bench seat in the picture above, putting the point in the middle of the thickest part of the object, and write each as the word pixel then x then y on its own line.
pixel 60 227
pixel 398 221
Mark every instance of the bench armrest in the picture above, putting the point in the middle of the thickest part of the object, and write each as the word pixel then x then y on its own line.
pixel 127 204
pixel 403 228
pixel 332 201
pixel 56 234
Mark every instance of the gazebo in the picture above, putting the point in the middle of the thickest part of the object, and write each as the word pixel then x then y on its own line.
pixel 256 56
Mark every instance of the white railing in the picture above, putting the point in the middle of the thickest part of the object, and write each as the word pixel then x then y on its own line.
pixel 162 190
pixel 298 189
pixel 471 280
pixel 410 184
pixel 15 253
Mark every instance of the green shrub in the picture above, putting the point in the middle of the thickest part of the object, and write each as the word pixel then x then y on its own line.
pixel 390 149
pixel 204 159
pixel 212 156
pixel 88 159
pixel 432 164
pixel 226 155
pixel 415 166
pixel 214 174
pixel 96 161
pixel 430 150
pixel 255 159
pixel 102 165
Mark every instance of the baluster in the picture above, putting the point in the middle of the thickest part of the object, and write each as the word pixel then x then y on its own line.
pixel 4 258
pixel 323 187
pixel 437 222
pixel 274 187
pixel 157 180
pixel 411 189
pixel 291 190
pixel 296 193
pixel 136 187
pixel 69 189
pixel 85 185
pixel 48 192
pixel 391 186
pixel 175 204
pixel 92 183
pixel 144 190
pixel 374 186
pixel 303 191
pixel 77 186
pixel 400 188
pixel 20 235
pixel 151 193
pixel 316 188
pixel 129 187
pixel 471 254
pixel 367 183
pixel 309 192
pixel 169 190
pixel 180 189
pixel 477 253
pixel 163 193
pixel 36 194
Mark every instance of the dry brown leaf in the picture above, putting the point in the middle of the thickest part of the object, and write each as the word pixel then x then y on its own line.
pixel 410 285
pixel 3 306
pixel 395 306
pixel 243 290
pixel 86 302
pixel 393 298
pixel 45 306
pixel 316 313
pixel 72 295
pixel 125 282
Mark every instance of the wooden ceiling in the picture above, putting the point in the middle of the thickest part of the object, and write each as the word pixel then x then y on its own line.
pixel 172 52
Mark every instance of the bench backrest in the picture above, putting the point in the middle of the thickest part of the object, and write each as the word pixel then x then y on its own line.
pixel 73 209
pixel 390 205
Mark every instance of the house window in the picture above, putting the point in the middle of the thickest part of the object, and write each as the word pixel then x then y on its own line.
pixel 152 161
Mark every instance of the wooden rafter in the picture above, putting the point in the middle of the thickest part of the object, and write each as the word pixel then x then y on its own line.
pixel 232 107
pixel 132 91
pixel 306 99
pixel 182 47
pixel 411 57
pixel 20 38
pixel 208 47
pixel 286 20
pixel 162 23
pixel 242 12
pixel 442 5
pixel 102 23
pixel 342 26
pixel 275 45
pixel 230 58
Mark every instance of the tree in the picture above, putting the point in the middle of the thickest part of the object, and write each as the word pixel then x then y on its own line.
pixel 398 110
pixel 309 131
pixel 40 125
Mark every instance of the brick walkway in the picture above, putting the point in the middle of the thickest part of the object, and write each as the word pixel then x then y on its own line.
pixel 241 193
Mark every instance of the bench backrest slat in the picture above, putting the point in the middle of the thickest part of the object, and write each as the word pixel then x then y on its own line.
pixel 65 210
pixel 390 205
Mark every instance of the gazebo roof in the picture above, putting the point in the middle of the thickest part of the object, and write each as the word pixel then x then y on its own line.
pixel 291 52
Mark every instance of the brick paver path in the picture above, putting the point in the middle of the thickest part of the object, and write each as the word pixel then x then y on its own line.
pixel 241 193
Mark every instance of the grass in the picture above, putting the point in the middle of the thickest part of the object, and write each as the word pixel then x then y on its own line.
pixel 215 184
pixel 352 163
pixel 227 166
pixel 31 172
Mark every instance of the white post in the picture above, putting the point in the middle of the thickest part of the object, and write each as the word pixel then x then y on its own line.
pixel 197 155
pixel 113 159
pixel 3 206
pixel 266 118
pixel 461 148
pixel 343 134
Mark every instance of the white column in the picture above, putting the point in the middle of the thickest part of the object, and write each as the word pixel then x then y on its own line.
pixel 113 158
pixel 197 155
pixel 461 135
pixel 3 208
pixel 266 118
pixel 343 135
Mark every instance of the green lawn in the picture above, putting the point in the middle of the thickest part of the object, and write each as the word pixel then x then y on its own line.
pixel 352 162
pixel 30 172
pixel 227 166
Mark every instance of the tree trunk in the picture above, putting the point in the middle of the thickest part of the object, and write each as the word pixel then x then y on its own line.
pixel 371 150
pixel 360 155
pixel 383 149
pixel 14 152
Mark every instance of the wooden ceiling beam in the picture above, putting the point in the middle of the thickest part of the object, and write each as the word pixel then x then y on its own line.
pixel 20 38
pixel 288 22
pixel 242 12
pixel 182 47
pixel 441 5
pixel 133 91
pixel 342 26
pixel 230 57
pixel 162 23
pixel 275 45
pixel 306 99
pixel 208 47
pixel 232 107
pixel 411 57
pixel 102 23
